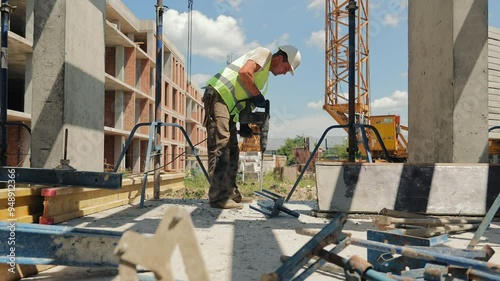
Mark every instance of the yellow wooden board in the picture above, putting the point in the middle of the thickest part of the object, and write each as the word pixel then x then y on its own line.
pixel 63 204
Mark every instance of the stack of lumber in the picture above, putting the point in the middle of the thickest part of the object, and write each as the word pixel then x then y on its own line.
pixel 423 226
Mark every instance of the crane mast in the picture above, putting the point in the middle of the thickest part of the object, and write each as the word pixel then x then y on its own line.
pixel 337 78
pixel 337 61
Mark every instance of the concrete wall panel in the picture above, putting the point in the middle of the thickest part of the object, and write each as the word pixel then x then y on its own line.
pixel 446 189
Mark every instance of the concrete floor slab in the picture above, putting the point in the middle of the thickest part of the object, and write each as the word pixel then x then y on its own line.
pixel 236 245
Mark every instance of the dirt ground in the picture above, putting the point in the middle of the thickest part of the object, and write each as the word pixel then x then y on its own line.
pixel 236 245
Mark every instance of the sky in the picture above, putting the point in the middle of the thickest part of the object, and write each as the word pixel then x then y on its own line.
pixel 230 28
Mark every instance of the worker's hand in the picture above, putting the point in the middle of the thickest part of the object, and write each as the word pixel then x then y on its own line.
pixel 245 131
pixel 260 101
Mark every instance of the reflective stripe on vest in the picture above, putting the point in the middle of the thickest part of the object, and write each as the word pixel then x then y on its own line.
pixel 231 89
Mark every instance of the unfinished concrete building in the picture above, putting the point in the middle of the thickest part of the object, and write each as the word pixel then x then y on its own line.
pixel 89 67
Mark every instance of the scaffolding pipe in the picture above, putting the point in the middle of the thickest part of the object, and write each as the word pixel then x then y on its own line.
pixel 353 146
pixel 158 86
pixel 6 9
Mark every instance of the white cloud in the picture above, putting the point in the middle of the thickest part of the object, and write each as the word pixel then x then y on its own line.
pixel 392 20
pixel 316 4
pixel 397 102
pixel 317 39
pixel 225 6
pixel 311 125
pixel 199 80
pixel 210 36
pixel 403 4
pixel 404 74
pixel 315 104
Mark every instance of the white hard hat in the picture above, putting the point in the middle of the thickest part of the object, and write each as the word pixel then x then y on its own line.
pixel 293 56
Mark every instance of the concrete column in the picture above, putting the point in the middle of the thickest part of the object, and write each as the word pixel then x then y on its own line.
pixel 68 79
pixel 119 109
pixel 448 81
pixel 28 83
pixel 151 45
pixel 119 143
pixel 136 156
pixel 30 20
pixel 120 63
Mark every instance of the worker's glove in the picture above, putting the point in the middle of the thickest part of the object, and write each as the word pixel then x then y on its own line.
pixel 245 131
pixel 260 101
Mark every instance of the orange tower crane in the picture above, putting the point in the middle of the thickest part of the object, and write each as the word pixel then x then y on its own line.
pixel 336 78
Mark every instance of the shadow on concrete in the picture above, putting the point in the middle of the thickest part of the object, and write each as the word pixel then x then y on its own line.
pixel 257 242
pixel 414 188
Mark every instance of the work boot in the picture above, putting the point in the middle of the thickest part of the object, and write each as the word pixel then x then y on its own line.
pixel 226 204
pixel 238 198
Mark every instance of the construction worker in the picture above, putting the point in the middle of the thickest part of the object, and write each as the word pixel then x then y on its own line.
pixel 224 97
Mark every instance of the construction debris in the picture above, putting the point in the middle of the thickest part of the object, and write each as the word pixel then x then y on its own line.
pixel 356 268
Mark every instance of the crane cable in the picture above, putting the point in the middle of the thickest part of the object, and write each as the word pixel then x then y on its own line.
pixel 190 40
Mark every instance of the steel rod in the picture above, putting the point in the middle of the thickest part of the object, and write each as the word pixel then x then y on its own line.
pixel 427 255
pixel 158 86
pixel 352 80
pixel 6 9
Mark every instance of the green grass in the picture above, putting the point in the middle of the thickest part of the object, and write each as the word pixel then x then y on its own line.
pixel 196 186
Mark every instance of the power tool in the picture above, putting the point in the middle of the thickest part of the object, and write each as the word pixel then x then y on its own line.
pixel 258 117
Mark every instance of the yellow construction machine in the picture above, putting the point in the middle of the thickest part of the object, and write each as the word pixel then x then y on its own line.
pixel 337 70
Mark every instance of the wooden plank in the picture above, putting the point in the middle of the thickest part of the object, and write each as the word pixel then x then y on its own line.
pixel 62 204
pixel 493 54
pixel 493 34
pixel 495 73
pixel 493 110
pixel 492 60
pixel 22 190
pixel 494 104
pixel 494 82
pixel 493 117
pixel 493 92
pixel 494 135
pixel 494 85
pixel 28 205
pixel 22 271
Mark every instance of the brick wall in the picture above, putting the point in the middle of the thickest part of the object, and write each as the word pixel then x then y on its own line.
pixel 15 134
pixel 109 108
pixel 144 150
pixel 130 66
pixel 110 61
pixel 145 76
pixel 144 117
pixel 129 111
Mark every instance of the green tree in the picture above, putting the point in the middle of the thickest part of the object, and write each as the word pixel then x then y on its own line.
pixel 287 149
pixel 337 152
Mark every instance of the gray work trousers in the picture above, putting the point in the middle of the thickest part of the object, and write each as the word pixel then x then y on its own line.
pixel 223 150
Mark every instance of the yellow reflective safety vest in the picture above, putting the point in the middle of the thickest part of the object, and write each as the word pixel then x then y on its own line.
pixel 231 89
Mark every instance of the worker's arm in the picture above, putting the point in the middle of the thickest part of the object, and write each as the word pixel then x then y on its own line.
pixel 246 75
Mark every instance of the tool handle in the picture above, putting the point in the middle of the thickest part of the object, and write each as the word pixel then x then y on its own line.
pixel 260 211
pixel 288 211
